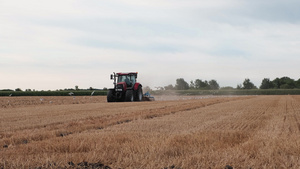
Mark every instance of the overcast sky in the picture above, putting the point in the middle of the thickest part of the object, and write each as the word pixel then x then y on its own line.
pixel 59 44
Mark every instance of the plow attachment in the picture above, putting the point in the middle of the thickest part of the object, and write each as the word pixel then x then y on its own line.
pixel 148 97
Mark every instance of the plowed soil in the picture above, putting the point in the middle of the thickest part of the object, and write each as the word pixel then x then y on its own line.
pixel 172 132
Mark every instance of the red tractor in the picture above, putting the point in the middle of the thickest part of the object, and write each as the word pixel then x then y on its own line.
pixel 125 88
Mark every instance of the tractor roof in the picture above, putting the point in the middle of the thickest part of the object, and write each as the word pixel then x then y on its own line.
pixel 130 73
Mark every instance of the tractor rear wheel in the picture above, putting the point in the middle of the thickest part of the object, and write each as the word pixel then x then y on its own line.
pixel 111 96
pixel 138 94
pixel 129 96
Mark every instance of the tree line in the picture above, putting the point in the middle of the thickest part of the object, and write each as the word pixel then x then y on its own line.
pixel 280 83
pixel 277 83
pixel 181 84
pixel 198 84
pixel 66 89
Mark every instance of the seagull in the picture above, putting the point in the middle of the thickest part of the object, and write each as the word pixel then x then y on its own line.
pixel 10 95
pixel 71 93
pixel 93 93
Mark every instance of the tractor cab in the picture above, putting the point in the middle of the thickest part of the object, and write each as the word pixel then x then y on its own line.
pixel 128 78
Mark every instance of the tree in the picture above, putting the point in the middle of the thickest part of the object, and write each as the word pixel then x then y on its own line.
pixel 169 87
pixel 159 88
pixel 76 87
pixel 18 90
pixel 297 83
pixel 285 86
pixel 199 84
pixel 284 83
pixel 181 84
pixel 239 86
pixel 227 88
pixel 277 83
pixel 288 83
pixel 192 85
pixel 213 84
pixel 266 84
pixel 7 90
pixel 247 84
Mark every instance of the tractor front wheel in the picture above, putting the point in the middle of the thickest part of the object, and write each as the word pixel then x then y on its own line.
pixel 129 96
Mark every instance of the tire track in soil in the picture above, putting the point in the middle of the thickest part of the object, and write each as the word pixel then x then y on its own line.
pixel 248 117
pixel 290 120
pixel 284 119
pixel 283 123
pixel 295 116
pixel 65 129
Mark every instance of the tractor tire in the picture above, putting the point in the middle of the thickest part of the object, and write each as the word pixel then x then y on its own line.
pixel 138 94
pixel 110 96
pixel 129 96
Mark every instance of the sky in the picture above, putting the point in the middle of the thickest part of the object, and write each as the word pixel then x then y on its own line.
pixel 49 45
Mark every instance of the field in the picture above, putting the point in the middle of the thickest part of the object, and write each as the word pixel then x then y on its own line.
pixel 172 132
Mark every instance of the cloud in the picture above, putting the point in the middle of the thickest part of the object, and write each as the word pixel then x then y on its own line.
pixel 272 11
pixel 58 44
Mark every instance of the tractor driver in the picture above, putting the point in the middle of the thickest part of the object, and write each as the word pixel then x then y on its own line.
pixel 127 81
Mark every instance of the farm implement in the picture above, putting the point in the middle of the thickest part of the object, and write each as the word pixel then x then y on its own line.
pixel 127 89
pixel 148 97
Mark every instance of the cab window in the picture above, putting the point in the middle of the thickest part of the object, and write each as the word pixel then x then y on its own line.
pixel 132 79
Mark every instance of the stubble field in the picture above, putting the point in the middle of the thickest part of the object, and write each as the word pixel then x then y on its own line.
pixel 172 132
